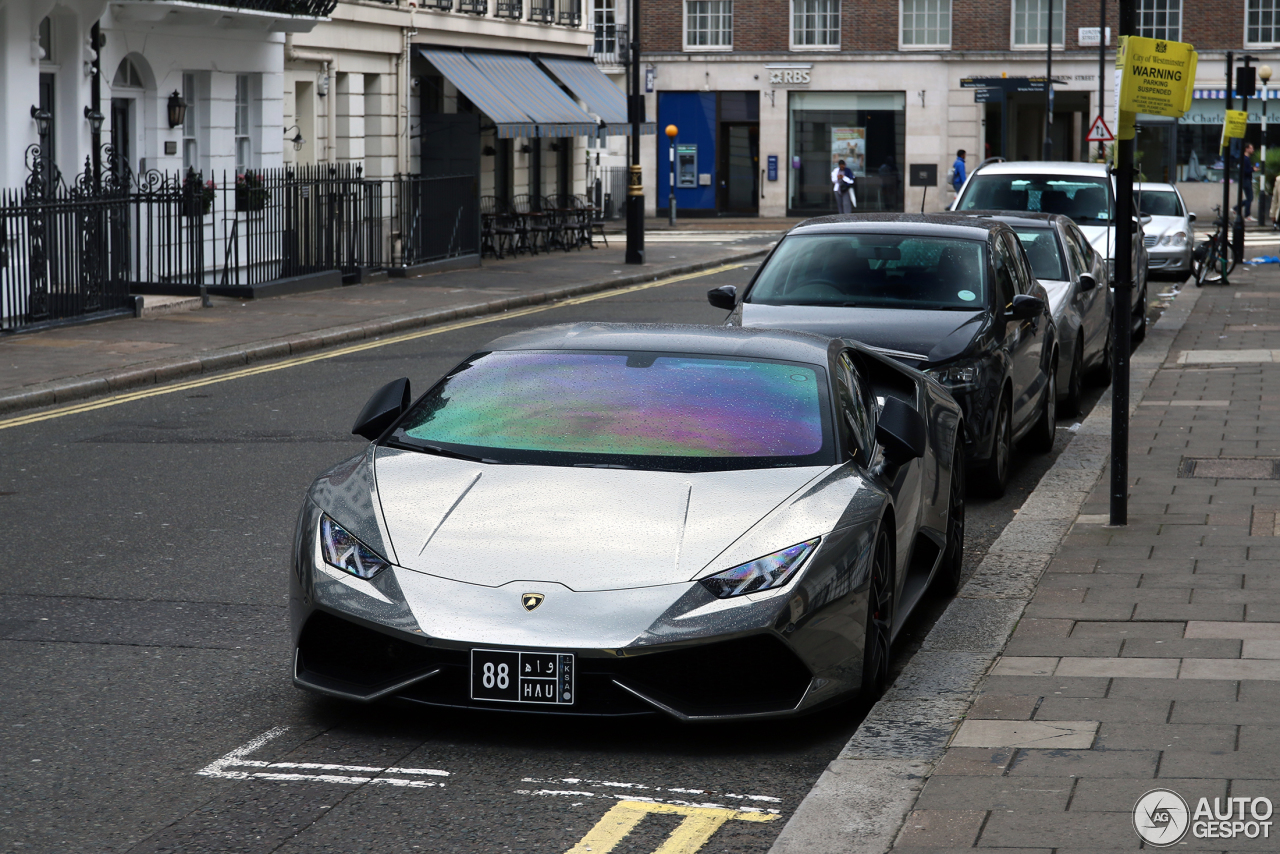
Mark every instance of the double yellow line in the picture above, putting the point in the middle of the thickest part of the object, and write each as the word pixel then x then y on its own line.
pixel 239 373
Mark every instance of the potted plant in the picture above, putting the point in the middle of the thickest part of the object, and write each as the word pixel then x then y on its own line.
pixel 251 195
pixel 197 194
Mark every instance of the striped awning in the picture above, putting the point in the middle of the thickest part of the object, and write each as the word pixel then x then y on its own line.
pixel 530 89
pixel 1221 94
pixel 599 93
pixel 471 81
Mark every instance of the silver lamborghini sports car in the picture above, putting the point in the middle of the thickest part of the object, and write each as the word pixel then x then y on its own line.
pixel 627 519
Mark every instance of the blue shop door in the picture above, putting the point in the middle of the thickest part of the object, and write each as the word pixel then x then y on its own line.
pixel 694 115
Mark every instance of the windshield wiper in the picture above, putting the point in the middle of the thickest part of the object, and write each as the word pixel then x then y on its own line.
pixel 440 452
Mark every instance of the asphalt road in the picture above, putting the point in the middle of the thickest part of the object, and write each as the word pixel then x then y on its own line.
pixel 144 634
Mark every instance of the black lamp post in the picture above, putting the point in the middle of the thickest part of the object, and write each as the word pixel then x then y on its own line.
pixel 635 181
pixel 177 109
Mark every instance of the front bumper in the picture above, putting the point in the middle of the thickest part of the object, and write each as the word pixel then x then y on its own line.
pixel 1169 261
pixel 672 649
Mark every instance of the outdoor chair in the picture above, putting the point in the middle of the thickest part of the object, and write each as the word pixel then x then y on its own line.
pixel 497 231
pixel 535 233
pixel 595 222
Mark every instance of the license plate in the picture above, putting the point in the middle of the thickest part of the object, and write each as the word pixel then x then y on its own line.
pixel 506 676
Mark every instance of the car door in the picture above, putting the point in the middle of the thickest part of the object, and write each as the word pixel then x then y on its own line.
pixel 1092 303
pixel 858 412
pixel 1020 336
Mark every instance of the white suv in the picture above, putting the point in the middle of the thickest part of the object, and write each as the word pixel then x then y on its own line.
pixel 1082 191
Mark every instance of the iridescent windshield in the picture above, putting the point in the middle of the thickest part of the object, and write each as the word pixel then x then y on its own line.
pixel 624 408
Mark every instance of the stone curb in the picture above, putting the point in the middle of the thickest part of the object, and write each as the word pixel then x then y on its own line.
pixel 860 803
pixel 152 373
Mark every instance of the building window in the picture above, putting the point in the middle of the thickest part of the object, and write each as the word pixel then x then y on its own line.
pixel 127 76
pixel 604 24
pixel 815 23
pixel 244 150
pixel 926 23
pixel 1031 17
pixel 1160 19
pixel 190 148
pixel 708 23
pixel 865 129
pixel 1263 25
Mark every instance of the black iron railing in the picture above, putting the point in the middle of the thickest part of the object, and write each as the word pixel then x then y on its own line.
pixel 70 252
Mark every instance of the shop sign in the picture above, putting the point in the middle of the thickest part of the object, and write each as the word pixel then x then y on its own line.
pixel 789 75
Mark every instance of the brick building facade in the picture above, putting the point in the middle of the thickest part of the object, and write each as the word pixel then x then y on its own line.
pixel 766 92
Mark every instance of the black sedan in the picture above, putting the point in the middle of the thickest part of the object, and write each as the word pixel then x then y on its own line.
pixel 950 295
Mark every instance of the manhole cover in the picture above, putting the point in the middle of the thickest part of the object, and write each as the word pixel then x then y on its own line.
pixel 1239 468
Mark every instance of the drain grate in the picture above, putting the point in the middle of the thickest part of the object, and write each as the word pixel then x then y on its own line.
pixel 1238 468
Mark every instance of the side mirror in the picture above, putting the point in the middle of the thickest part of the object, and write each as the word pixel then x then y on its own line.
pixel 1191 217
pixel 725 296
pixel 1087 282
pixel 1026 307
pixel 387 404
pixel 900 432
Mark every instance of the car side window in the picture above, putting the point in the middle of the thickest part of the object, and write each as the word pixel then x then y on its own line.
pixel 1019 264
pixel 1074 258
pixel 1005 288
pixel 1082 245
pixel 856 409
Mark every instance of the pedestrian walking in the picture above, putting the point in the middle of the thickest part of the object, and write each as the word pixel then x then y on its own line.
pixel 1246 182
pixel 842 186
pixel 957 172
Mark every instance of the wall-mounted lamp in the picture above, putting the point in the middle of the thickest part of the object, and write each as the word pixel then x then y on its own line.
pixel 44 120
pixel 322 84
pixel 297 140
pixel 177 109
pixel 95 119
pixel 526 148
pixel 488 151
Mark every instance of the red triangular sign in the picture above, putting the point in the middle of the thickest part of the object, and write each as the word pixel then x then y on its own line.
pixel 1099 132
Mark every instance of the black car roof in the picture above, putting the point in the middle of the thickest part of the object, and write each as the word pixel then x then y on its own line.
pixel 931 225
pixel 674 338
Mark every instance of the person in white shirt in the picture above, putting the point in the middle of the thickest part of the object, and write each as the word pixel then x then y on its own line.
pixel 842 186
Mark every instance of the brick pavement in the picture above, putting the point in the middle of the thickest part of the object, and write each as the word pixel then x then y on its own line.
pixel 1149 655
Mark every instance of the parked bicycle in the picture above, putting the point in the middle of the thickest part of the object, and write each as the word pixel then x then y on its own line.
pixel 1208 258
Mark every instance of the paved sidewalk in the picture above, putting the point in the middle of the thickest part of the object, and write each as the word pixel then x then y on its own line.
pixel 72 362
pixel 1149 655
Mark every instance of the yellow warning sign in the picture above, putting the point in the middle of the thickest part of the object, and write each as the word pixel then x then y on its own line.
pixel 1156 76
pixel 1234 126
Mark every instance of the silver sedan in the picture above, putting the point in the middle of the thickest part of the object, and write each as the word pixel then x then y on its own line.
pixel 1069 268
pixel 1167 235
pixel 602 519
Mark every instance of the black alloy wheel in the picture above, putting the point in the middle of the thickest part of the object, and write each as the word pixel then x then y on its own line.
pixel 876 646
pixel 1101 373
pixel 947 582
pixel 994 475
pixel 1075 382
pixel 1041 439
pixel 1140 319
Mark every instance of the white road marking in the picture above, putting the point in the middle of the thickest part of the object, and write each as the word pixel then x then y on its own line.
pixel 238 758
pixel 610 790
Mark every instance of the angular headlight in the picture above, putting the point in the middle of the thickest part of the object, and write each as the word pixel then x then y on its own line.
pixel 343 551
pixel 1175 238
pixel 962 375
pixel 763 573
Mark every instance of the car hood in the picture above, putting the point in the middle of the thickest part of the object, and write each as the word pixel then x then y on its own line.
pixel 585 528
pixel 906 335
pixel 1162 225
